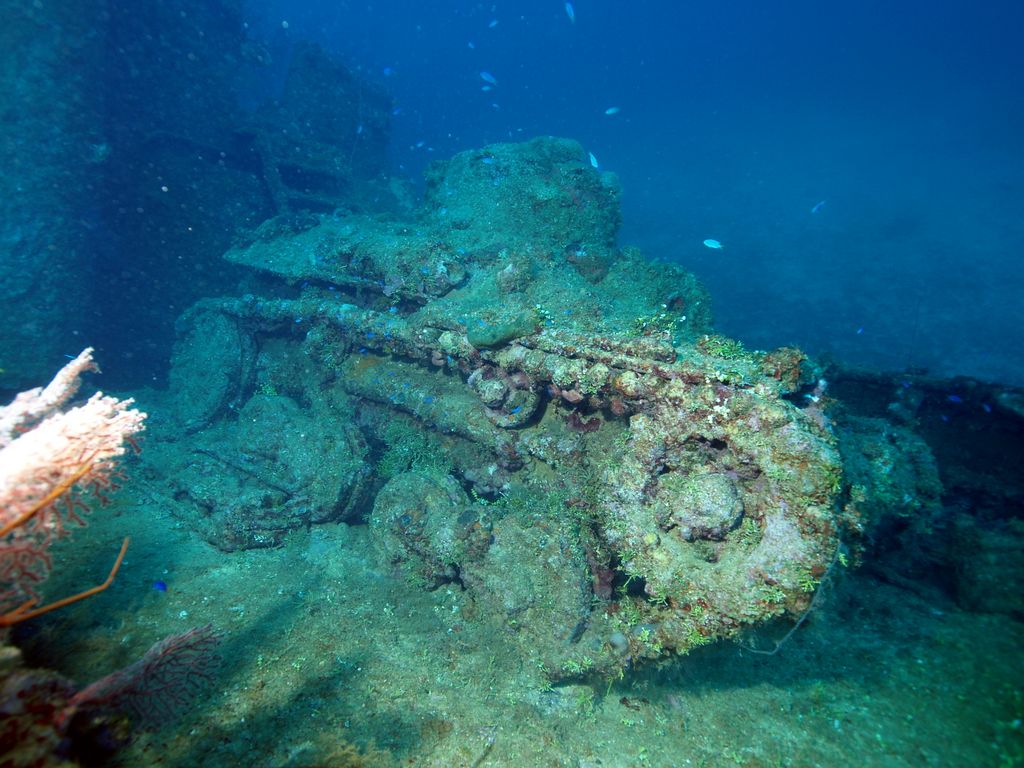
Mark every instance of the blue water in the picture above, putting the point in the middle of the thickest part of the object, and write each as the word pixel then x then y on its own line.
pixel 736 119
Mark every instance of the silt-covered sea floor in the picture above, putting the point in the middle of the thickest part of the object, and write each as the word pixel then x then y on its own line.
pixel 329 660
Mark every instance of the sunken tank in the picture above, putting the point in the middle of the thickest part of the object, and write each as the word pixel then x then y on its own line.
pixel 516 405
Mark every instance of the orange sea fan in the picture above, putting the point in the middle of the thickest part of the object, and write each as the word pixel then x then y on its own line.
pixel 50 461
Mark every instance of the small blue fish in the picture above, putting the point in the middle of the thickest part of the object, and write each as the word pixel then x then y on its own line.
pixel 714 245
pixel 160 586
pixel 612 111
pixel 487 77
pixel 570 12
pixel 955 399
pixel 493 24
pixel 593 160
pixel 818 206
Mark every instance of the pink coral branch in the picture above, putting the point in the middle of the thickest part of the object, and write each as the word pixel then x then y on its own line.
pixel 51 460
pixel 31 406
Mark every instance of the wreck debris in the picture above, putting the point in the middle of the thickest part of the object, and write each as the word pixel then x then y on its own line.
pixel 619 483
